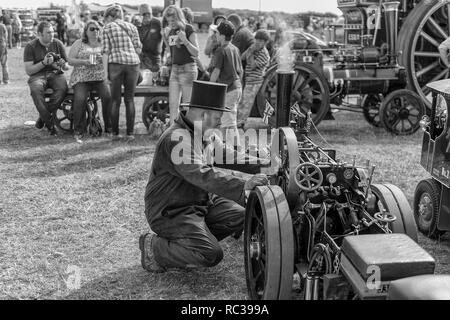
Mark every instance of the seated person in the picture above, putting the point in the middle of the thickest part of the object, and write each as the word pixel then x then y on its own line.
pixel 88 76
pixel 189 204
pixel 45 60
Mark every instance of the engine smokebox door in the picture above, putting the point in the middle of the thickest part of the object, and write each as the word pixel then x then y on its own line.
pixel 396 255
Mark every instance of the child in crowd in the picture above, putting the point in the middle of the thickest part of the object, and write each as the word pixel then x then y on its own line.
pixel 257 60
pixel 227 67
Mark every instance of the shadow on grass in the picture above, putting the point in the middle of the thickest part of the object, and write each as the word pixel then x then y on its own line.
pixel 23 138
pixel 20 138
pixel 91 145
pixel 86 165
pixel 136 284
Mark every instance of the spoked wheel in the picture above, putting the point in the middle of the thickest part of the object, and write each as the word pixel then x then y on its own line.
pixel 286 141
pixel 395 203
pixel 401 112
pixel 425 28
pixel 371 109
pixel 427 201
pixel 63 116
pixel 268 245
pixel 310 91
pixel 308 177
pixel 155 107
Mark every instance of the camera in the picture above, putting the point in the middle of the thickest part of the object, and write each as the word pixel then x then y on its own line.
pixel 56 57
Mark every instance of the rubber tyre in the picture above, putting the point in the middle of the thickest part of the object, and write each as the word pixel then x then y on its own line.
pixel 432 189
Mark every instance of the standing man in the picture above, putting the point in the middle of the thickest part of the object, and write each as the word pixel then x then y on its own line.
pixel 61 27
pixel 151 38
pixel 45 60
pixel 257 60
pixel 227 69
pixel 243 38
pixel 7 21
pixel 4 51
pixel 189 204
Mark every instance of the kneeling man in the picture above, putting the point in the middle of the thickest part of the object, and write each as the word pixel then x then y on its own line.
pixel 191 205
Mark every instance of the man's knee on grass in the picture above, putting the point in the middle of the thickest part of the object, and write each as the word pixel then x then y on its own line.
pixel 211 257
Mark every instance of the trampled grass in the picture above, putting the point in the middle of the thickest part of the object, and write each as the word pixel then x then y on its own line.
pixel 64 204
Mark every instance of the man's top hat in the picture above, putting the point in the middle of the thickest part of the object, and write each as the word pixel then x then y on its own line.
pixel 208 95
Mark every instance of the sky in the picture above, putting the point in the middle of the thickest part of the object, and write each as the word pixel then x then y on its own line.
pixel 291 6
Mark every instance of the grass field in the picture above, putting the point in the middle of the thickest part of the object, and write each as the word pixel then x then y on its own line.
pixel 64 204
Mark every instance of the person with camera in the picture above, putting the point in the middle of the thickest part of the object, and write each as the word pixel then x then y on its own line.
pixel 184 49
pixel 121 48
pixel 88 75
pixel 45 62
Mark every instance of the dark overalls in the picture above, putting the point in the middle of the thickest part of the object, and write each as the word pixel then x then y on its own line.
pixel 190 206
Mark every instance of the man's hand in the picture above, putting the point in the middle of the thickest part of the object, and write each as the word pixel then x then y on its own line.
pixel 48 60
pixel 182 36
pixel 258 180
pixel 106 76
pixel 61 62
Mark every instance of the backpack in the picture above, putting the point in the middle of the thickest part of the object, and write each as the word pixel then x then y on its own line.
pixel 95 127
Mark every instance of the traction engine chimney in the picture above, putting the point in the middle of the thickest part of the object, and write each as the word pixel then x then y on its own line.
pixel 391 17
pixel 284 92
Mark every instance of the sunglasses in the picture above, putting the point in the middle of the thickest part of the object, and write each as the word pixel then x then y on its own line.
pixel 92 29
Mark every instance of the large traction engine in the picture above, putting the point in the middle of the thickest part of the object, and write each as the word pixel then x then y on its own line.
pixel 389 55
pixel 324 221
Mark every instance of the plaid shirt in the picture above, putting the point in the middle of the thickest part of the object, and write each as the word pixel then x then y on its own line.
pixel 120 44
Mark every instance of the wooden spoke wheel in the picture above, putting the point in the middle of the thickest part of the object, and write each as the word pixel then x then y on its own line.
pixel 371 109
pixel 395 203
pixel 401 112
pixel 155 108
pixel 425 28
pixel 285 141
pixel 63 116
pixel 310 90
pixel 268 245
pixel 427 202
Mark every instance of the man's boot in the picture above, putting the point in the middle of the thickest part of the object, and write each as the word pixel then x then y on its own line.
pixel 39 123
pixel 148 261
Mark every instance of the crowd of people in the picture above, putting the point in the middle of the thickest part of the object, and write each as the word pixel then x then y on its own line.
pixel 112 53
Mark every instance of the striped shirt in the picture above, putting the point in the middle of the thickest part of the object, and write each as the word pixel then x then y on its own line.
pixel 120 42
pixel 257 63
